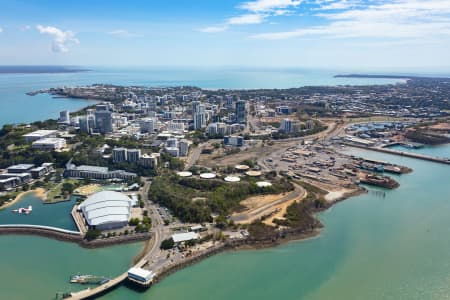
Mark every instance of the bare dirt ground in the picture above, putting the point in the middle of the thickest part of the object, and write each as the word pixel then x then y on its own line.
pixel 258 201
pixel 281 210
pixel 441 126
pixel 267 206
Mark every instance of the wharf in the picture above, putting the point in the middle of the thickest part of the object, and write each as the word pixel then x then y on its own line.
pixel 403 153
pixel 101 289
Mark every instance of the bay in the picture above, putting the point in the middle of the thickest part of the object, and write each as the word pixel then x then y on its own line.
pixel 17 107
pixel 372 247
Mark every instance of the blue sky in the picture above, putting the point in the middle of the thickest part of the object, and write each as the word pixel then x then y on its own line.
pixel 352 34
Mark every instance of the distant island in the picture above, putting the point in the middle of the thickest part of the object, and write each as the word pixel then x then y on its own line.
pixel 381 76
pixel 40 69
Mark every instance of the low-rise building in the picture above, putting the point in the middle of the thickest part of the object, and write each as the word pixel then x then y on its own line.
pixel 236 141
pixel 97 173
pixel 49 144
pixel 179 238
pixel 39 134
pixel 21 168
pixel 174 151
pixel 150 160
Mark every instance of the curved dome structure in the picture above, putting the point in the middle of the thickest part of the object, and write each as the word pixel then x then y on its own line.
pixel 106 210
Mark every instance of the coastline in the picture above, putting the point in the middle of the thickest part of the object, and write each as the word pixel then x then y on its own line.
pixel 39 193
pixel 292 235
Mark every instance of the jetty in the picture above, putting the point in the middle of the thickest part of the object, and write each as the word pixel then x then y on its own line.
pixel 103 288
pixel 404 153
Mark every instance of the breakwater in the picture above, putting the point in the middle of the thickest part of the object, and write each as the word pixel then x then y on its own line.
pixel 404 153
pixel 70 235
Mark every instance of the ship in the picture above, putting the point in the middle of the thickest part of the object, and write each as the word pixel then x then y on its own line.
pixel 377 180
pixel 88 279
pixel 393 169
pixel 373 168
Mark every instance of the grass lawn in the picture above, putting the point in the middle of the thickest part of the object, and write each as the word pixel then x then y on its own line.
pixel 54 194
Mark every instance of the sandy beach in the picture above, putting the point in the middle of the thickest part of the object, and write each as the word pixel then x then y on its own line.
pixel 39 192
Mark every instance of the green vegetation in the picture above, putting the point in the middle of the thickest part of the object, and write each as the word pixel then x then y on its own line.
pixel 194 200
pixel 318 127
pixel 261 231
pixel 420 136
pixel 299 214
pixel 167 244
pixel 133 222
pixel 92 234
pixel 7 197
pixel 63 190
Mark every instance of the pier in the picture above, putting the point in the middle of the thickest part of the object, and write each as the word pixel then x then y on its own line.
pixel 403 153
pixel 101 289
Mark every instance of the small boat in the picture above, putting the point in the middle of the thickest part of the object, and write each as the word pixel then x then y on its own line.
pixel 87 279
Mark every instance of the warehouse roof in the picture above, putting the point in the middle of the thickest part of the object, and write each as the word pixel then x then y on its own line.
pixel 183 237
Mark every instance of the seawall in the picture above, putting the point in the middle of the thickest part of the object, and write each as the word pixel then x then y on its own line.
pixel 70 236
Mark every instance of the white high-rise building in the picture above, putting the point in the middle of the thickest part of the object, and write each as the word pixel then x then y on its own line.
pixel 199 121
pixel 172 142
pixel 119 155
pixel 64 117
pixel 286 125
pixel 183 145
pixel 133 155
pixel 147 125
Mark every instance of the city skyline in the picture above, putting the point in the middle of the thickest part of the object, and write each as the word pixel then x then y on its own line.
pixel 261 33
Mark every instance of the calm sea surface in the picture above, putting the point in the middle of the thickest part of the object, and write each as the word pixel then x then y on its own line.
pixel 392 247
pixel 372 247
pixel 17 107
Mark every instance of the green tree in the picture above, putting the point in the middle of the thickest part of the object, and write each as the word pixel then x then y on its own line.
pixel 167 244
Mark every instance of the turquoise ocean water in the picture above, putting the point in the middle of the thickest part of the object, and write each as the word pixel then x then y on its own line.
pixel 17 107
pixel 393 247
pixel 372 247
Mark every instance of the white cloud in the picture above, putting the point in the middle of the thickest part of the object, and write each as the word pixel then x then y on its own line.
pixel 123 33
pixel 269 5
pixel 213 29
pixel 257 12
pixel 338 5
pixel 400 19
pixel 246 19
pixel 1 30
pixel 62 40
pixel 25 28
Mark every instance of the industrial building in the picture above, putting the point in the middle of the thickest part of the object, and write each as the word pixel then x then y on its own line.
pixel 179 238
pixel 106 210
